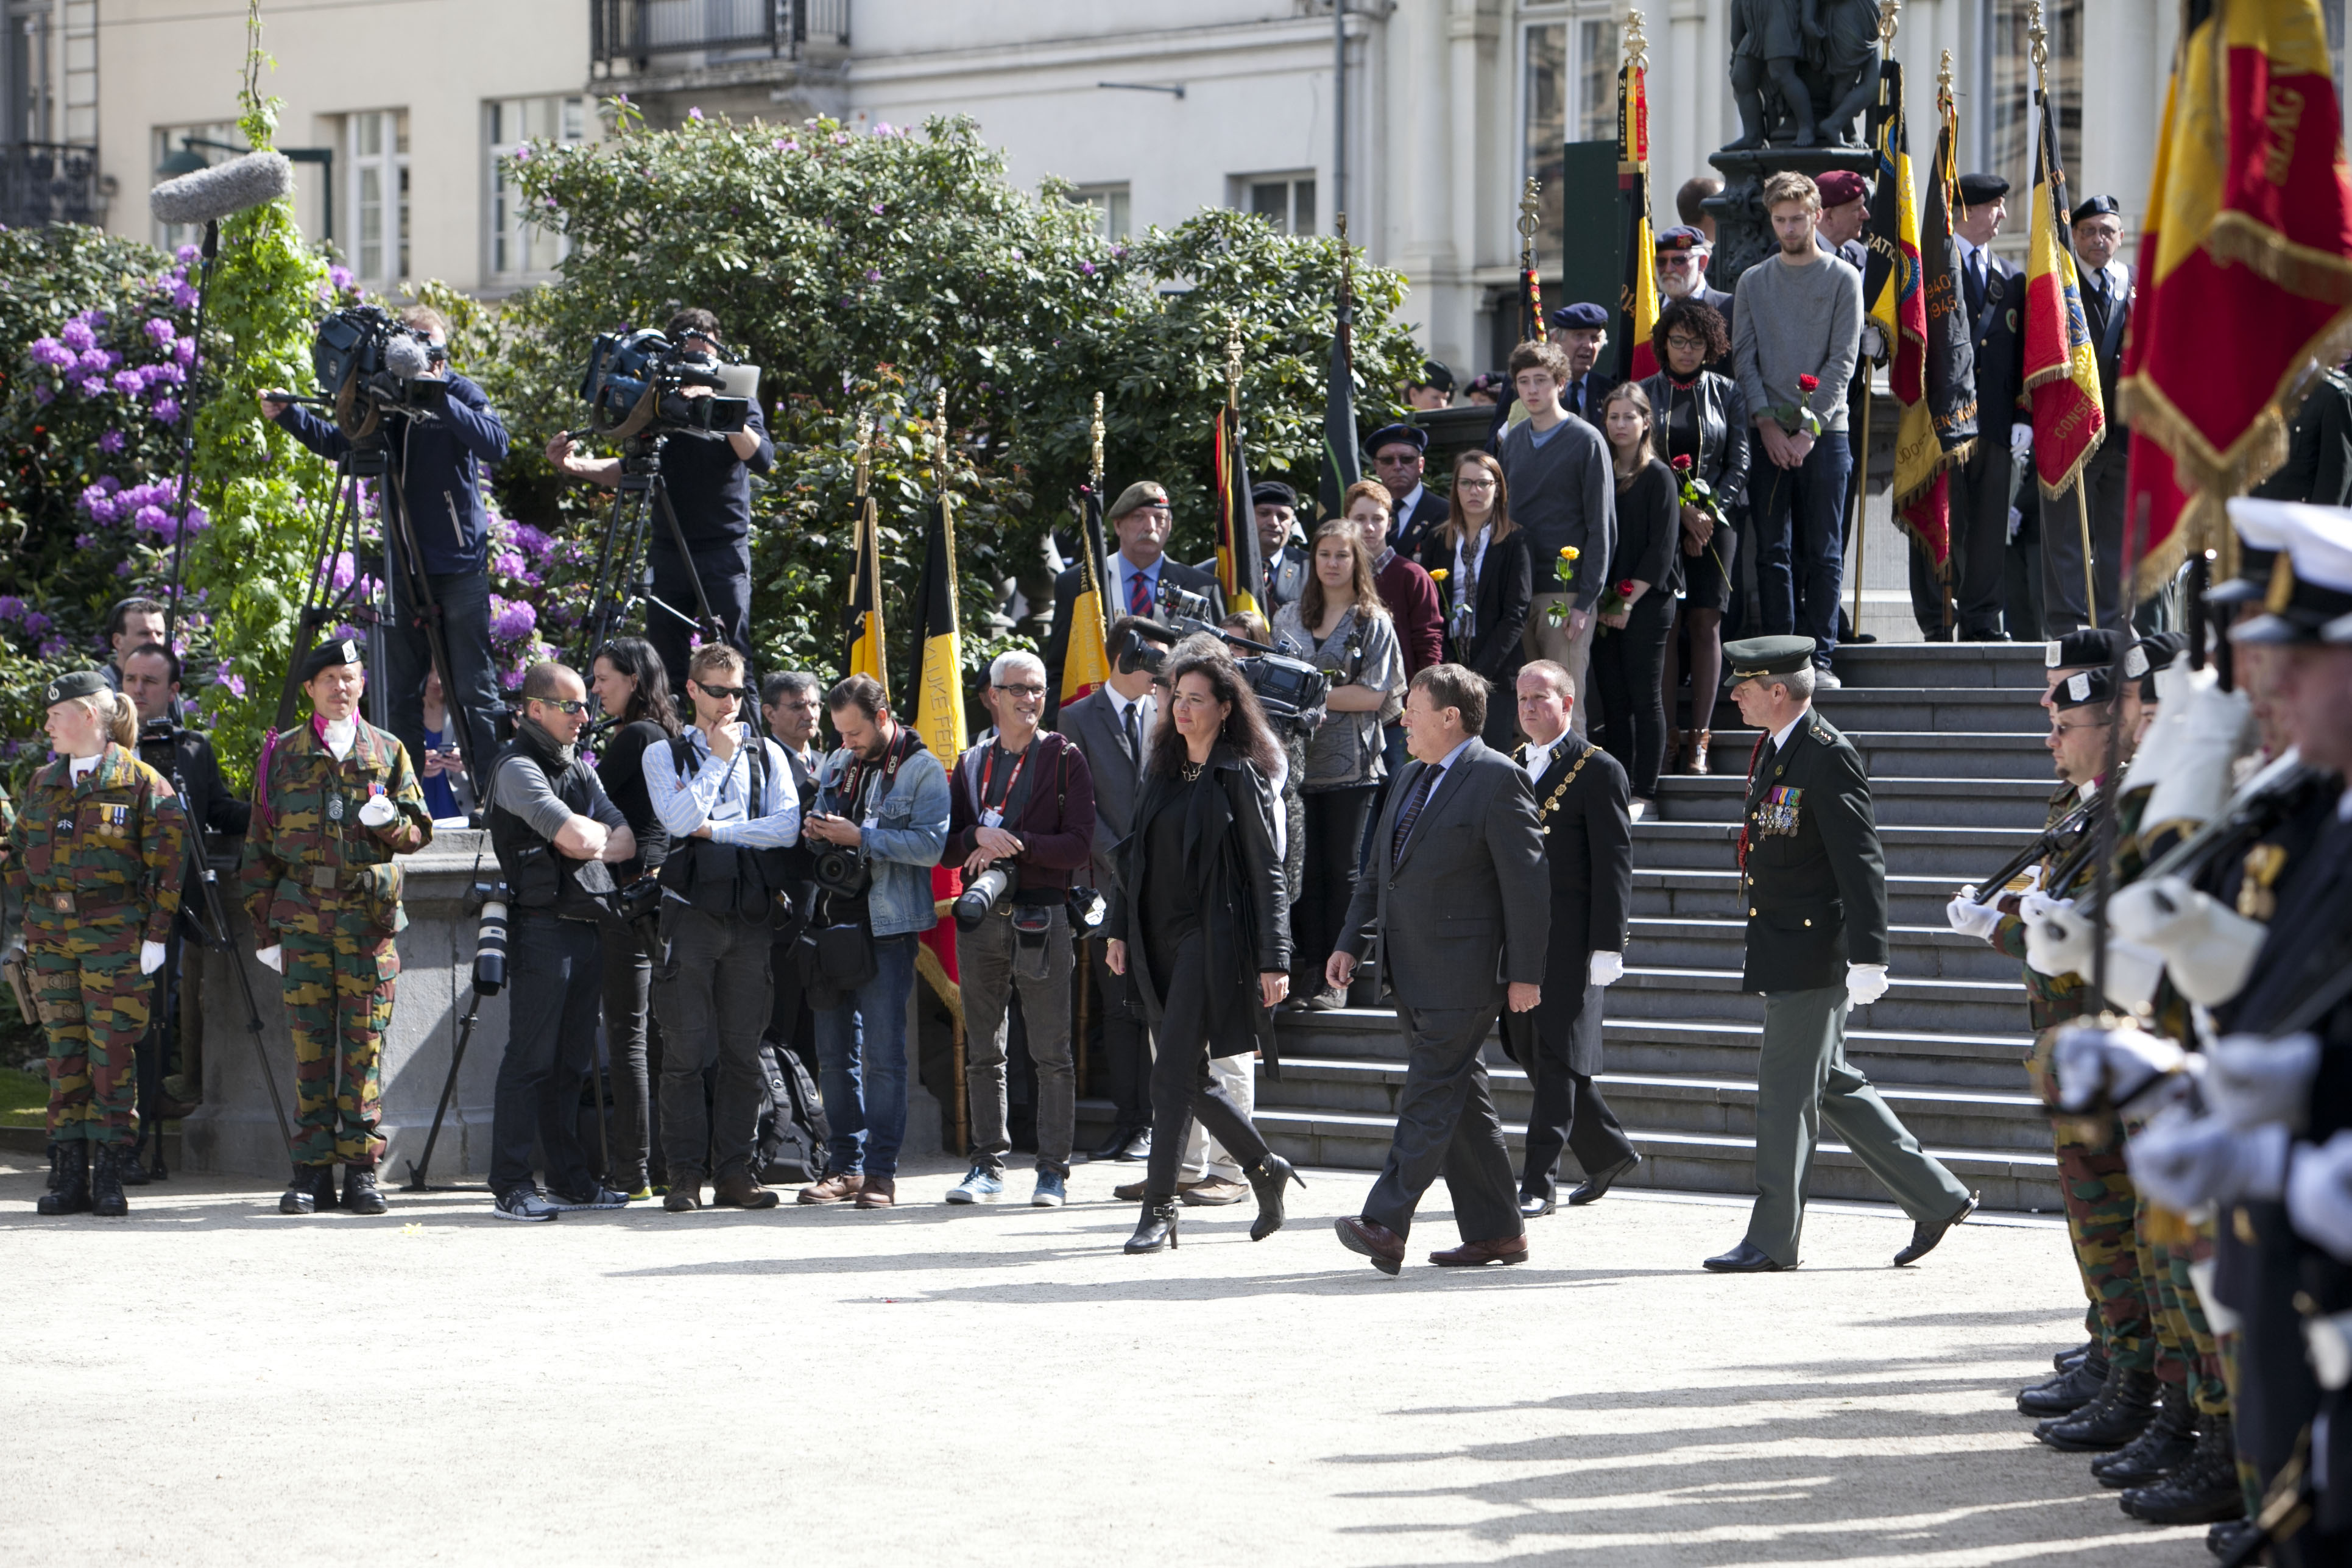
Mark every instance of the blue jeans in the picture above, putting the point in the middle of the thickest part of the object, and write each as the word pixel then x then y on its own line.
pixel 1805 505
pixel 861 1054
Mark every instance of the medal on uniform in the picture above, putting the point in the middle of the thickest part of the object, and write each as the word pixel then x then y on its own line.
pixel 2257 898
pixel 1778 813
pixel 334 808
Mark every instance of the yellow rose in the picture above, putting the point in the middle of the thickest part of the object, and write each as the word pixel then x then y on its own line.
pixel 1437 574
pixel 1571 553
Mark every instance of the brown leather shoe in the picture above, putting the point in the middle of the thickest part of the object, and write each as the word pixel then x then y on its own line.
pixel 685 1193
pixel 1473 1253
pixel 1384 1247
pixel 1132 1192
pixel 739 1190
pixel 838 1187
pixel 1213 1192
pixel 878 1193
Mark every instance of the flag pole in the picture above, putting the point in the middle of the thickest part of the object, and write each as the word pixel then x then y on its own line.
pixel 947 537
pixel 1086 944
pixel 2038 36
pixel 1886 10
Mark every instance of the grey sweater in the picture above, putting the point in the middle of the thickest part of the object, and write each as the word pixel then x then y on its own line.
pixel 1562 492
pixel 1797 321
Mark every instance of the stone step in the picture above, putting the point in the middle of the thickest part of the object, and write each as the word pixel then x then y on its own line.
pixel 2008 665
pixel 1972 1006
pixel 1894 802
pixel 1920 753
pixel 1959 853
pixel 1942 709
pixel 1714 895
pixel 1921 951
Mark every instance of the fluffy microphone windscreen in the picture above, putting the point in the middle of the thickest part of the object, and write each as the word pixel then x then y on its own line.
pixel 212 193
pixel 406 357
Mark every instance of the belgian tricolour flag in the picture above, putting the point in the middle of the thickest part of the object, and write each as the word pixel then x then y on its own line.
pixel 1087 663
pixel 1637 303
pixel 1240 572
pixel 2062 364
pixel 863 653
pixel 938 719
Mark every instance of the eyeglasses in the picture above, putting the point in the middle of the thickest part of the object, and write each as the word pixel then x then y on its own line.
pixel 2070 729
pixel 1034 693
pixel 1475 482
pixel 564 704
pixel 1679 342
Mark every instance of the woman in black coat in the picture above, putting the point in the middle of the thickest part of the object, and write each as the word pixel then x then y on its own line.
pixel 1629 649
pixel 633 691
pixel 1203 929
pixel 1486 583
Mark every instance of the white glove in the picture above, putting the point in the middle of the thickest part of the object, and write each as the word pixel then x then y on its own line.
pixel 151 957
pixel 2176 684
pixel 2251 1080
pixel 2058 943
pixel 1874 342
pixel 2208 947
pixel 2021 440
pixel 2217 729
pixel 1970 918
pixel 377 812
pixel 2319 1195
pixel 1865 983
pixel 1606 967
pixel 2016 523
pixel 2117 1066
pixel 2132 974
pixel 2034 903
pixel 273 957
pixel 2185 1162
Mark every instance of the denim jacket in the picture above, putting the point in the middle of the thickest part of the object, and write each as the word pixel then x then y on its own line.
pixel 907 830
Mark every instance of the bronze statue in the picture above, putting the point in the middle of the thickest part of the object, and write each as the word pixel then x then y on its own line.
pixel 1767 42
pixel 1843 39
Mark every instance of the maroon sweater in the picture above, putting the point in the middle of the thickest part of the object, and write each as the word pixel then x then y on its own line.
pixel 1411 595
pixel 1056 822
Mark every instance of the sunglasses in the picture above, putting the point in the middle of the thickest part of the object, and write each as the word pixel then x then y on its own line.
pixel 732 693
pixel 564 704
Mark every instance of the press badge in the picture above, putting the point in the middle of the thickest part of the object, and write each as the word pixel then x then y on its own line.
pixel 992 817
pixel 1777 815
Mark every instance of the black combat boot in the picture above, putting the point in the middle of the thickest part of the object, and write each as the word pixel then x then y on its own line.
pixel 2166 1446
pixel 2122 1412
pixel 2203 1490
pixel 68 1180
pixel 106 1181
pixel 2069 1390
pixel 312 1188
pixel 2064 1360
pixel 361 1195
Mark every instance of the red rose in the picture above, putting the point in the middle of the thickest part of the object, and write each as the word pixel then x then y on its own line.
pixel 1683 463
pixel 1624 588
pixel 1808 382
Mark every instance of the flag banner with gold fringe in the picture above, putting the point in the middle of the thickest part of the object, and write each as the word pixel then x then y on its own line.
pixel 938 708
pixel 1935 372
pixel 1087 664
pixel 2244 288
pixel 1240 572
pixel 863 653
pixel 1637 294
pixel 2062 363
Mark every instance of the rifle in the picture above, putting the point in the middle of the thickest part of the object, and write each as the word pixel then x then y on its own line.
pixel 2044 844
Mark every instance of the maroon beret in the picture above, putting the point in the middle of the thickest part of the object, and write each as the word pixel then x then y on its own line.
pixel 1840 186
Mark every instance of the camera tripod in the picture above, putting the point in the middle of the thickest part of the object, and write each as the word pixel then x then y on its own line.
pixel 621 555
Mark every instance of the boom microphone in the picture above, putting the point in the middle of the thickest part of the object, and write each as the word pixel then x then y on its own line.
pixel 210 195
pixel 406 357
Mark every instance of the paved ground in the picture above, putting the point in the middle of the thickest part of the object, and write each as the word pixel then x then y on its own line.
pixel 207 1382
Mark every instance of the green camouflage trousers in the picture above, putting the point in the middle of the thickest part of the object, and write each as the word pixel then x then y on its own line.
pixel 93 1006
pixel 2187 1341
pixel 339 992
pixel 2101 1206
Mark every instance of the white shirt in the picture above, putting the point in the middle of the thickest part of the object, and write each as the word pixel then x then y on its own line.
pixel 1780 736
pixel 1126 569
pixel 1540 756
pixel 342 735
pixel 81 765
pixel 1405 507
pixel 1143 706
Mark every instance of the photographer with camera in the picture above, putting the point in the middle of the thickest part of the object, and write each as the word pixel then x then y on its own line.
pixel 726 797
pixel 556 836
pixel 631 689
pixel 1021 820
pixel 439 462
pixel 880 824
pixel 151 678
pixel 708 479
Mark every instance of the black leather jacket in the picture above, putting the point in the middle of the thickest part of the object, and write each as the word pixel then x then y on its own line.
pixel 1726 436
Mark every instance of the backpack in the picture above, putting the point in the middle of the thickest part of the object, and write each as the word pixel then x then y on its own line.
pixel 790 1141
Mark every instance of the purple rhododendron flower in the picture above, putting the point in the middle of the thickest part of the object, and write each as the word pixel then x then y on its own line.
pixel 340 277
pixel 110 442
pixel 129 383
pixel 342 574
pixel 44 395
pixel 183 297
pixel 512 619
pixel 167 411
pixel 92 386
pixel 151 519
pixel 531 542
pixel 187 254
pixel 162 330
pixel 51 353
pixel 77 335
pixel 507 563
pixel 872 276
pixel 93 361
pixel 694 114
pixel 184 351
pixel 123 568
pixel 36 623
pixel 12 608
pixel 1087 268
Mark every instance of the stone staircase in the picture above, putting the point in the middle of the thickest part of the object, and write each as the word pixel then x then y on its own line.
pixel 1951 734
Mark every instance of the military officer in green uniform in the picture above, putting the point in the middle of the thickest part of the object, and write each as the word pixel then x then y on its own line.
pixel 1815 887
pixel 334 799
pixel 96 856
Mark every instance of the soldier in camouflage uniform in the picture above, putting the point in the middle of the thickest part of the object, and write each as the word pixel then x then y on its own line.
pixel 97 855
pixel 334 800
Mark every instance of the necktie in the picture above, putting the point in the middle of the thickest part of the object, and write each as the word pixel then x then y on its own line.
pixel 1139 594
pixel 1413 803
pixel 1576 397
pixel 1134 742
pixel 1975 281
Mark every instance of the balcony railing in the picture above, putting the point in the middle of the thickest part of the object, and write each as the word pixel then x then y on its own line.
pixel 44 182
pixel 643 31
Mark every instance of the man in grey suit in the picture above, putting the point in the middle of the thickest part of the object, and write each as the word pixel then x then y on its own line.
pixel 1111 727
pixel 1463 911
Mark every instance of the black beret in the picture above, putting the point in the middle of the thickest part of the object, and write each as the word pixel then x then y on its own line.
pixel 1682 237
pixel 1272 492
pixel 2084 689
pixel 2154 652
pixel 2097 206
pixel 331 655
pixel 1412 436
pixel 1582 315
pixel 1977 189
pixel 2086 647
pixel 1434 374
pixel 78 683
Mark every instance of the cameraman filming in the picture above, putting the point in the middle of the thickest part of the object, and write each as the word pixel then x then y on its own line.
pixel 555 835
pixel 708 478
pixel 151 678
pixel 439 464
pixel 1026 802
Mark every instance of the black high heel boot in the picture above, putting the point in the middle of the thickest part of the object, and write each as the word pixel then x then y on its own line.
pixel 1267 1179
pixel 1155 1228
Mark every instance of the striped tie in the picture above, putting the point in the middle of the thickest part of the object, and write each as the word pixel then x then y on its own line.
pixel 1139 594
pixel 1430 774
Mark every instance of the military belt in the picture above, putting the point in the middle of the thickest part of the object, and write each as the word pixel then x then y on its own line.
pixel 87 907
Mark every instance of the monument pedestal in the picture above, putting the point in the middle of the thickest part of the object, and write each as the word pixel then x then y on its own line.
pixel 1743 229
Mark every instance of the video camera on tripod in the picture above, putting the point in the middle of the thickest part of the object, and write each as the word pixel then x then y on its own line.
pixel 1288 688
pixel 371 365
pixel 636 385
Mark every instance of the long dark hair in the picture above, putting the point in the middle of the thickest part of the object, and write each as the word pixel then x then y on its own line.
pixel 1457 525
pixel 635 657
pixel 1244 730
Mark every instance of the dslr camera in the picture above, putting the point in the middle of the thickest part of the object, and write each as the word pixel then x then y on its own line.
pixel 370 363
pixel 843 871
pixel 984 892
pixel 636 385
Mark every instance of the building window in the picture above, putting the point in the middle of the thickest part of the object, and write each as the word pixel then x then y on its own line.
pixel 377 141
pixel 2009 132
pixel 1286 201
pixel 1567 91
pixel 1111 210
pixel 169 140
pixel 520 249
pixel 2331 14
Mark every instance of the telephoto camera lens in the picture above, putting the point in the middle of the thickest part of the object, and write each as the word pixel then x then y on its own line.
pixel 983 895
pixel 490 943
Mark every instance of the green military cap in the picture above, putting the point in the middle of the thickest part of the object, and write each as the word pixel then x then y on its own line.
pixel 327 654
pixel 79 683
pixel 1753 657
pixel 1142 493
